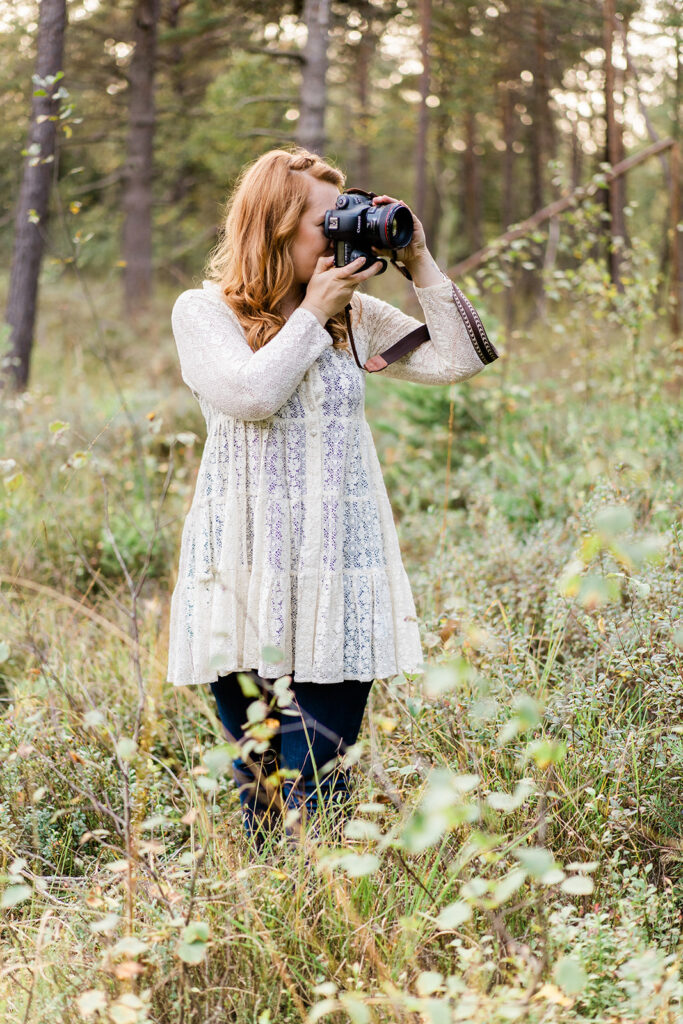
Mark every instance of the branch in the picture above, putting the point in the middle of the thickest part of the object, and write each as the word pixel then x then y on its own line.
pixel 289 54
pixel 580 193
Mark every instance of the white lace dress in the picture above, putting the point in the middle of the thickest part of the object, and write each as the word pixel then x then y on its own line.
pixel 289 560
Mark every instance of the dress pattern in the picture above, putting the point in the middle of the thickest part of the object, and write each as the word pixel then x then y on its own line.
pixel 289 550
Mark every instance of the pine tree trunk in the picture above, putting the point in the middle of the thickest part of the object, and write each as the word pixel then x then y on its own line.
pixel 138 170
pixel 472 186
pixel 366 51
pixel 34 194
pixel 614 196
pixel 313 98
pixel 508 161
pixel 423 113
pixel 539 100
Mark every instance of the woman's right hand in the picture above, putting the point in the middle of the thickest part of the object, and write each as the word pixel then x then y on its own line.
pixel 330 288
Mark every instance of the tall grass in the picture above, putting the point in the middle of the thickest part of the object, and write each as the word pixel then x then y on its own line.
pixel 514 846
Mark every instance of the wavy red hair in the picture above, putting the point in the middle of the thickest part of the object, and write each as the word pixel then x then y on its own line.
pixel 252 261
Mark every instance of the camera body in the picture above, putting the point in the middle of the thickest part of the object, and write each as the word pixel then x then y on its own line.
pixel 356 224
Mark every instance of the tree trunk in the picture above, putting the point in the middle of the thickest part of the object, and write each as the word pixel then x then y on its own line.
pixel 471 185
pixel 313 99
pixel 366 51
pixel 613 195
pixel 34 194
pixel 508 169
pixel 539 105
pixel 423 113
pixel 138 170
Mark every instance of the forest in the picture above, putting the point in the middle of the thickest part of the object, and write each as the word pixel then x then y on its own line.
pixel 514 851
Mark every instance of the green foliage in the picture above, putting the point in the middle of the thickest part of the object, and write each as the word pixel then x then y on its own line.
pixel 513 848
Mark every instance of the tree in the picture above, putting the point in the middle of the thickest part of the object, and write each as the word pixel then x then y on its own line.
pixel 313 97
pixel 34 195
pixel 138 170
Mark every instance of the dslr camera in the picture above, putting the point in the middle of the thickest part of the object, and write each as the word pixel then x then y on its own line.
pixel 355 225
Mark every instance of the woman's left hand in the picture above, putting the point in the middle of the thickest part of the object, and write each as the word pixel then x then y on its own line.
pixel 409 254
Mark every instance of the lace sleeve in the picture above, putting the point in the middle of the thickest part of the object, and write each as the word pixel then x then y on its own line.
pixel 217 364
pixel 448 356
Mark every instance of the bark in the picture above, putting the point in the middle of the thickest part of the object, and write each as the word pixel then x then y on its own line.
pixel 34 194
pixel 313 99
pixel 138 170
pixel 613 194
pixel 366 51
pixel 537 139
pixel 472 184
pixel 508 161
pixel 423 113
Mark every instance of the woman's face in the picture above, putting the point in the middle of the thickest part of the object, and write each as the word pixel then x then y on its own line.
pixel 310 242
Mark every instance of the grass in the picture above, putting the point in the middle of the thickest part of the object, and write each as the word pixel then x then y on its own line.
pixel 516 846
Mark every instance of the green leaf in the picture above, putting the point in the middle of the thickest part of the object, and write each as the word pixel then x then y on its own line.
pixel 247 685
pixel 14 894
pixel 219 759
pixel 4 651
pixel 613 520
pixel 454 914
pixel 126 748
pixel 92 1001
pixel 357 1010
pixel 578 885
pixel 428 982
pixel 321 1009
pixel 129 945
pixel 105 924
pixel 508 885
pixel 356 865
pixel 191 951
pixel 570 975
pixel 195 931
pixel 536 860
pixel 359 828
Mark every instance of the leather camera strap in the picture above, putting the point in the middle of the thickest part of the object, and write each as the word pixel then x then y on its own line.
pixel 478 336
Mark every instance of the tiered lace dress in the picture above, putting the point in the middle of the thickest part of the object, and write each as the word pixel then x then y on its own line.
pixel 289 560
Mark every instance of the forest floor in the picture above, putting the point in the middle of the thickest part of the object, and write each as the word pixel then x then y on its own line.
pixel 514 850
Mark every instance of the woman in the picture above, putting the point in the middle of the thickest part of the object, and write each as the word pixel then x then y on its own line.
pixel 289 562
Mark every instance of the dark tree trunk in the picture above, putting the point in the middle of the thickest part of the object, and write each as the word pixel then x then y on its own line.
pixel 34 194
pixel 313 99
pixel 366 51
pixel 537 135
pixel 508 168
pixel 138 170
pixel 472 185
pixel 576 156
pixel 423 113
pixel 613 195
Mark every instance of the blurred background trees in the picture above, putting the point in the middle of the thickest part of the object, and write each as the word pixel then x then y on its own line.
pixel 476 112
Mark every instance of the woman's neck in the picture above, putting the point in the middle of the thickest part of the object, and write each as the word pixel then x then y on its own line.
pixel 291 301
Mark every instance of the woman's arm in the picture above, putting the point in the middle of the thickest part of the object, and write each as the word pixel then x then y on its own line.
pixel 448 356
pixel 217 363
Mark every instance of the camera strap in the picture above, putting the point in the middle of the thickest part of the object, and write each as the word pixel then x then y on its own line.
pixel 475 329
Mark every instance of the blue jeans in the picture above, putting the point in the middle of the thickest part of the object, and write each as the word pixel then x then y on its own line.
pixel 318 726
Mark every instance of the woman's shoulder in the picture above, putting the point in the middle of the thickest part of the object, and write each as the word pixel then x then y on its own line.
pixel 205 303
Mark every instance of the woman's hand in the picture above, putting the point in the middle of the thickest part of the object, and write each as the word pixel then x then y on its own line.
pixel 416 257
pixel 409 254
pixel 330 288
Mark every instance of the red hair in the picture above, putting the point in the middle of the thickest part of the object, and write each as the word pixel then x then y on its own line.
pixel 252 262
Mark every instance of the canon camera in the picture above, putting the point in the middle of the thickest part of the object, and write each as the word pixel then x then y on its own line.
pixel 355 225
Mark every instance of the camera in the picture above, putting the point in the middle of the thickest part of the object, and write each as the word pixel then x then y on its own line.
pixel 355 225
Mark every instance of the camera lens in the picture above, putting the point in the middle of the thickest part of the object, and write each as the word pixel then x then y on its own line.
pixel 391 226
